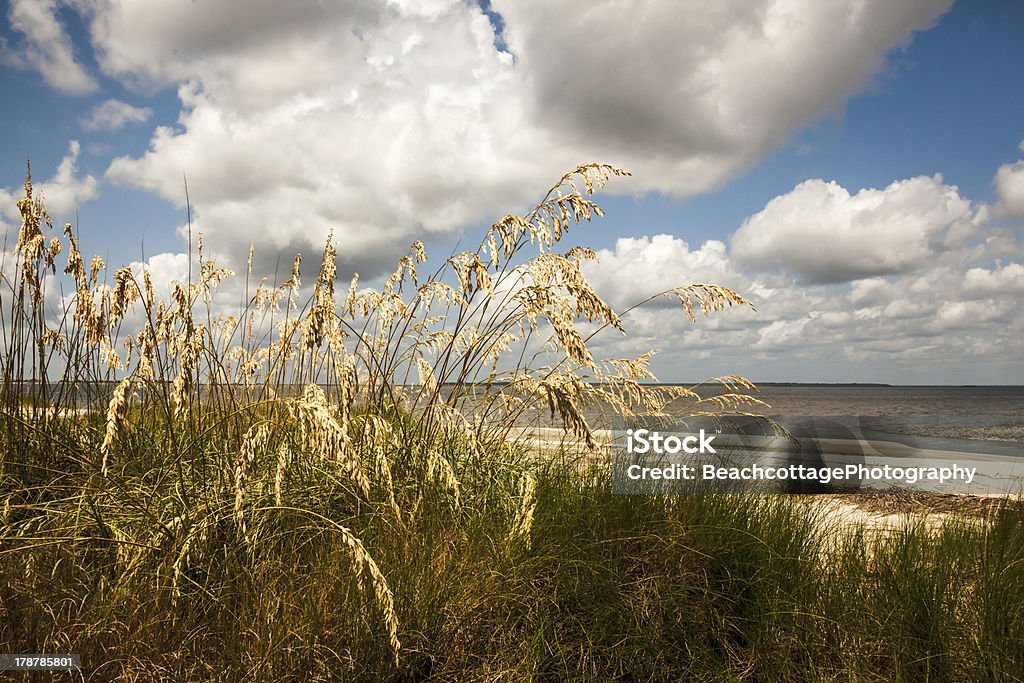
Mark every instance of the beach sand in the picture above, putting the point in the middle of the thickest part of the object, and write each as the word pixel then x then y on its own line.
pixel 999 477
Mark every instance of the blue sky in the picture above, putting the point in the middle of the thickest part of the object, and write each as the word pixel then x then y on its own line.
pixel 371 122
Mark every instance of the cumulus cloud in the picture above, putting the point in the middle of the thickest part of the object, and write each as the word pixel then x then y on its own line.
pixel 9 216
pixel 164 270
pixel 63 192
pixel 113 115
pixel 661 262
pixel 783 334
pixel 689 93
pixel 1003 280
pixel 374 125
pixel 969 315
pixel 1009 183
pixel 822 233
pixel 66 190
pixel 381 121
pixel 955 306
pixel 46 47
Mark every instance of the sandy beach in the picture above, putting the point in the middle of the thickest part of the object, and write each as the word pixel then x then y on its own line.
pixel 870 508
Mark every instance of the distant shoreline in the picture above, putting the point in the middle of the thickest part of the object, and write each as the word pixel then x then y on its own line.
pixel 869 385
pixel 873 385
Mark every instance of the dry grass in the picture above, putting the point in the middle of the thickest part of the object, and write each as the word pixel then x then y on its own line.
pixel 218 425
pixel 334 484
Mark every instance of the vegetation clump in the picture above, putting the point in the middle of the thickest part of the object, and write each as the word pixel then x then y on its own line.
pixel 328 485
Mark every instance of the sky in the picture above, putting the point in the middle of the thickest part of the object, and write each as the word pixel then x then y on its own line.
pixel 853 168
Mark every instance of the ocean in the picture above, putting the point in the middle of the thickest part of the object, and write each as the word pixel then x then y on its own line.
pixel 894 401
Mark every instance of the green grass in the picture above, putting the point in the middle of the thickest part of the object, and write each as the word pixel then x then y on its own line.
pixel 322 487
pixel 724 587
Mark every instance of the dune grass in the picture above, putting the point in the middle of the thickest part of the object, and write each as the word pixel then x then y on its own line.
pixel 600 586
pixel 323 486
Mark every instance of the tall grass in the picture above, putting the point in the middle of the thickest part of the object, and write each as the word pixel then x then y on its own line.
pixel 324 485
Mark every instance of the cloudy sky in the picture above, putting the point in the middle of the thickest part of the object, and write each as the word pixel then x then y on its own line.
pixel 852 167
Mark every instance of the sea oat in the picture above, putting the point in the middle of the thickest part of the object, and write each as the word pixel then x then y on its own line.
pixel 117 410
pixel 326 436
pixel 283 456
pixel 523 522
pixel 323 313
pixel 385 598
pixel 377 438
pixel 438 468
pixel 126 291
pixel 255 441
pixel 294 281
pixel 426 373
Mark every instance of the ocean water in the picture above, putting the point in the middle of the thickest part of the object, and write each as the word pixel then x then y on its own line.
pixel 894 401
pixel 968 418
pixel 933 427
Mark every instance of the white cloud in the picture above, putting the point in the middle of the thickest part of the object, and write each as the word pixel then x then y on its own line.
pixel 113 115
pixel 783 333
pixel 952 310
pixel 688 93
pixel 66 190
pixel 10 218
pixel 377 138
pixel 822 233
pixel 1003 280
pixel 968 315
pixel 47 48
pixel 164 270
pixel 383 121
pixel 1009 183
pixel 62 193
pixel 660 263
